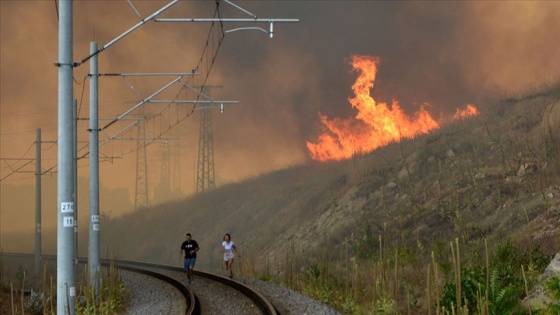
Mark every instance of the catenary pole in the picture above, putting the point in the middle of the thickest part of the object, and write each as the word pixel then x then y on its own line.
pixel 38 203
pixel 75 176
pixel 65 279
pixel 93 255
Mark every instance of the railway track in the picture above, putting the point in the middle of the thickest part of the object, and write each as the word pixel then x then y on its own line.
pixel 174 276
pixel 260 302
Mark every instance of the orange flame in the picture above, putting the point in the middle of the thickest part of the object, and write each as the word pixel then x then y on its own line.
pixel 465 113
pixel 375 125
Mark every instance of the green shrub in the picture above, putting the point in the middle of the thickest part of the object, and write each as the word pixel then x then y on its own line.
pixel 34 304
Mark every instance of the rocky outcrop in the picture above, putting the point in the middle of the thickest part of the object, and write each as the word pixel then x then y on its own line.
pixel 539 298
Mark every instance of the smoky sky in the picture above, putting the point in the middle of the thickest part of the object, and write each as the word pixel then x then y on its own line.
pixel 446 54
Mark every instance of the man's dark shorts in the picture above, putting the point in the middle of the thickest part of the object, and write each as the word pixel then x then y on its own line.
pixel 189 263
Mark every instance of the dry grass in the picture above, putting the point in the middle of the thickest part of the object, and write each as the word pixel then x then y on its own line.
pixel 35 294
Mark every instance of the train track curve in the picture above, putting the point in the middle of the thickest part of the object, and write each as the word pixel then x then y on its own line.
pixel 262 303
pixel 169 275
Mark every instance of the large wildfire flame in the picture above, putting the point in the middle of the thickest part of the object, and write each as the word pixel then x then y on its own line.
pixel 375 125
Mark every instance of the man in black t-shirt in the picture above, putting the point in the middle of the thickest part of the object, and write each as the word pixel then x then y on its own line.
pixel 190 247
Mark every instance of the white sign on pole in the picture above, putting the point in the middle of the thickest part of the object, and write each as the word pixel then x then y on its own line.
pixel 68 221
pixel 66 207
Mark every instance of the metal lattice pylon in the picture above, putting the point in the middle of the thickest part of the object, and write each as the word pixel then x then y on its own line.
pixel 176 183
pixel 205 175
pixel 165 175
pixel 141 194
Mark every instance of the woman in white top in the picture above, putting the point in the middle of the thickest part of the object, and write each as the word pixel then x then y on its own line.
pixel 228 248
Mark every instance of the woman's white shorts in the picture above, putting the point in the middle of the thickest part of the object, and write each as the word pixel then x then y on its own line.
pixel 228 256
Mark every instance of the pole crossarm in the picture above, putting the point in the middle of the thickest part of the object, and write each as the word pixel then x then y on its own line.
pixel 136 121
pixel 122 131
pixel 227 20
pixel 192 102
pixel 270 22
pixel 153 16
pixel 110 138
pixel 130 30
pixel 100 119
pixel 155 74
pixel 143 102
pixel 149 139
pixel 180 75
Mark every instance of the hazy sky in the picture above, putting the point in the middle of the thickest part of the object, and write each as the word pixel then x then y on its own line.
pixel 446 54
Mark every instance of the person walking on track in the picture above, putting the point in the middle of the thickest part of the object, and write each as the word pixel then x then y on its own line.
pixel 190 247
pixel 228 249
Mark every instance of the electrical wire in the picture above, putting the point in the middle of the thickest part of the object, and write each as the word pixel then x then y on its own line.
pixel 213 59
pixel 210 61
pixel 50 147
pixel 81 97
pixel 27 113
pixel 22 158
pixel 56 8
pixel 15 170
pixel 209 51
pixel 26 151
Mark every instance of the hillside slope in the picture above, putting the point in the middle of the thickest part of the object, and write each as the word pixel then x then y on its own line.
pixel 491 176
pixel 337 231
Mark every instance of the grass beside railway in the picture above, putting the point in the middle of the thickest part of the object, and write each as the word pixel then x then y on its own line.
pixel 22 294
pixel 408 282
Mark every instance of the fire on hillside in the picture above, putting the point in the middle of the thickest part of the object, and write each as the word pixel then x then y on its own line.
pixel 376 124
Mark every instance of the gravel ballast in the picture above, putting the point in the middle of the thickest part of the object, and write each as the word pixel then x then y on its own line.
pixel 286 301
pixel 151 296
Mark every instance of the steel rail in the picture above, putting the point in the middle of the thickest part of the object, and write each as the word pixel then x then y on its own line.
pixel 193 307
pixel 260 301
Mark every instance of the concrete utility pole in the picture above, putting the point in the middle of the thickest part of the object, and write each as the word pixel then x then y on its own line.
pixel 75 176
pixel 65 280
pixel 94 227
pixel 38 203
